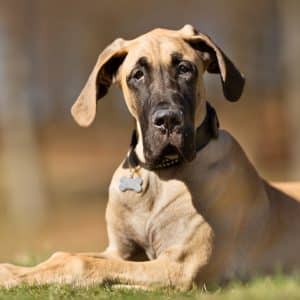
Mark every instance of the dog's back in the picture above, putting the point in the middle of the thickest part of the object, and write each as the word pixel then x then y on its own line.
pixel 282 245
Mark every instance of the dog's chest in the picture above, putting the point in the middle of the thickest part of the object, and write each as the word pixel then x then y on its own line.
pixel 158 218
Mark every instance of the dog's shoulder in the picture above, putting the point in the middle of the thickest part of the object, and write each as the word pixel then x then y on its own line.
pixel 224 148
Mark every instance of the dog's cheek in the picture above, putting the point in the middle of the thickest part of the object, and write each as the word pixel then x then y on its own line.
pixel 189 143
pixel 146 136
pixel 147 131
pixel 152 145
pixel 129 99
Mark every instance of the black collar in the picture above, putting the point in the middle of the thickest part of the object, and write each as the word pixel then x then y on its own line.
pixel 208 130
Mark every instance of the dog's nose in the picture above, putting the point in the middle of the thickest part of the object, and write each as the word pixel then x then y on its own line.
pixel 167 119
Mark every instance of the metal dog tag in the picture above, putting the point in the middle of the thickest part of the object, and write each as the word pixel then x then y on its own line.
pixel 131 184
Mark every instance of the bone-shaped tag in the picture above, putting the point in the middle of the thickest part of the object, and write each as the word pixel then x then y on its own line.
pixel 131 184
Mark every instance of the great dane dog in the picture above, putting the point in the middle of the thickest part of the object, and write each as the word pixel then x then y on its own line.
pixel 186 206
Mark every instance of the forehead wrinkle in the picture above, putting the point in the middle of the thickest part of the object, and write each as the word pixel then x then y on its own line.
pixel 143 62
pixel 145 49
pixel 176 57
pixel 170 46
pixel 158 50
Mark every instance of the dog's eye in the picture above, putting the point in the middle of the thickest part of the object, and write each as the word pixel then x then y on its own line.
pixel 183 68
pixel 138 74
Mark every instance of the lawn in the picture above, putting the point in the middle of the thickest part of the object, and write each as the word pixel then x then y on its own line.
pixel 277 287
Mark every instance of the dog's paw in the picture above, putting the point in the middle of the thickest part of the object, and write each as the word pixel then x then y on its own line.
pixel 8 277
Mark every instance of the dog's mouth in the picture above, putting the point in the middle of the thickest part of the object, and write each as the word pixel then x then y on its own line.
pixel 176 146
pixel 170 152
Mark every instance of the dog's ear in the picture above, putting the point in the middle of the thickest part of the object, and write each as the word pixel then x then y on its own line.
pixel 84 109
pixel 216 62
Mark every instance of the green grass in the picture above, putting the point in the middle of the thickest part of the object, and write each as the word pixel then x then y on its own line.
pixel 277 287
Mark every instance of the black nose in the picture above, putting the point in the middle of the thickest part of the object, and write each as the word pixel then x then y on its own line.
pixel 167 119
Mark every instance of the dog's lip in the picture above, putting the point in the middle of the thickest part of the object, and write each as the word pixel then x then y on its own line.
pixel 172 156
pixel 170 151
pixel 173 153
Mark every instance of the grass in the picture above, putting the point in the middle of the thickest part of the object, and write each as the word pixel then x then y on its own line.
pixel 276 287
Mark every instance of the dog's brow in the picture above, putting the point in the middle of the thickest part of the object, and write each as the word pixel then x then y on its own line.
pixel 143 62
pixel 176 57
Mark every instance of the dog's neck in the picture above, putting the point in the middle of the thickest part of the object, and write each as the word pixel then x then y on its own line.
pixel 207 130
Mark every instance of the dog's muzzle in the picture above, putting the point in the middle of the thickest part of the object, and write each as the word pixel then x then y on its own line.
pixel 207 131
pixel 168 130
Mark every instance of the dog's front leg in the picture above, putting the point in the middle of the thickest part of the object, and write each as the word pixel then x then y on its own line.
pixel 83 270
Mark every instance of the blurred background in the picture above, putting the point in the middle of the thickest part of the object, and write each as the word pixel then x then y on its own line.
pixel 54 175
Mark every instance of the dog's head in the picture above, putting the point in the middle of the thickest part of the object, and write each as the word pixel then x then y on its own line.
pixel 161 76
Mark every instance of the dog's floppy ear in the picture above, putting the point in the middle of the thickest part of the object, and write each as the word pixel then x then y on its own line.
pixel 216 62
pixel 84 109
